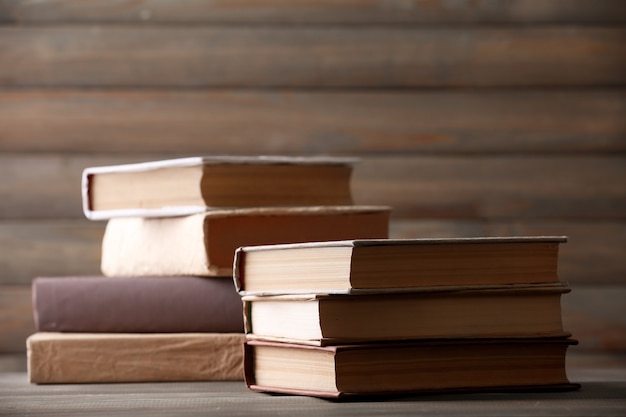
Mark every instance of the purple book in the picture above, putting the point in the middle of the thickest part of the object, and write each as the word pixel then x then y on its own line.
pixel 137 305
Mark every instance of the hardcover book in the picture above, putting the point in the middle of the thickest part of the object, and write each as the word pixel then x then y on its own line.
pixel 370 264
pixel 136 305
pixel 325 319
pixel 410 367
pixel 190 185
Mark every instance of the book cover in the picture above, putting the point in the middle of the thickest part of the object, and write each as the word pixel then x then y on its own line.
pixel 62 358
pixel 136 304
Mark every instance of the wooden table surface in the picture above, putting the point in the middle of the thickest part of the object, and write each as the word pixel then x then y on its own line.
pixel 603 393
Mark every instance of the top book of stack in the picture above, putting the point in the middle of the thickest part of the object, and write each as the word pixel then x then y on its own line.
pixel 186 186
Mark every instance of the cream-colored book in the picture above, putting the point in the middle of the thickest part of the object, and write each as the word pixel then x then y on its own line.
pixel 204 244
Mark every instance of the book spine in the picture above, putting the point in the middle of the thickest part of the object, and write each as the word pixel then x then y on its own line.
pixel 238 270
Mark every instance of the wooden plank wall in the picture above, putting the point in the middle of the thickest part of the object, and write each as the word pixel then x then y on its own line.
pixel 472 117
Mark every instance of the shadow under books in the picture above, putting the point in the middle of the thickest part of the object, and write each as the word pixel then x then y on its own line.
pixel 613 390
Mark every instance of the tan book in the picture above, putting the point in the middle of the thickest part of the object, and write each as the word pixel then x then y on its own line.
pixel 325 319
pixel 190 185
pixel 411 367
pixel 134 357
pixel 205 243
pixel 358 265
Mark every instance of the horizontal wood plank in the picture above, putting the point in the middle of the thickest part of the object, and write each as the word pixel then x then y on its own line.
pixel 304 122
pixel 72 247
pixel 601 396
pixel 472 187
pixel 319 11
pixel 596 316
pixel 494 186
pixel 309 57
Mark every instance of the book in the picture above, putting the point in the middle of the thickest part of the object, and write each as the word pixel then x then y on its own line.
pixel 448 312
pixel 136 305
pixel 205 243
pixel 411 367
pixel 62 358
pixel 367 264
pixel 184 186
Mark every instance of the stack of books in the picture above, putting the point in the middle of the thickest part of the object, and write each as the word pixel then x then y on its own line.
pixel 385 316
pixel 165 307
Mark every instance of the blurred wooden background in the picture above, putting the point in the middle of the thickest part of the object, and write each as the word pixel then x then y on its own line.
pixel 472 117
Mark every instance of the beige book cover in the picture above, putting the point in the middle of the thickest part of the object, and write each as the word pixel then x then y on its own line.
pixel 57 358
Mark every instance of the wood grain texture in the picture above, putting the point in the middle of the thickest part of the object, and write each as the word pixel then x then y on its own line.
pixel 309 57
pixel 601 396
pixel 319 11
pixel 473 118
pixel 494 186
pixel 422 186
pixel 304 122
pixel 72 247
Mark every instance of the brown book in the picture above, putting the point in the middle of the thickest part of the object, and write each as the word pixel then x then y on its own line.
pixel 136 305
pixel 410 367
pixel 62 358
pixel 205 243
pixel 354 265
pixel 190 185
pixel 323 319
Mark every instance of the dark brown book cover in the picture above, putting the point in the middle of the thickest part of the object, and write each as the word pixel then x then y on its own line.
pixel 136 305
